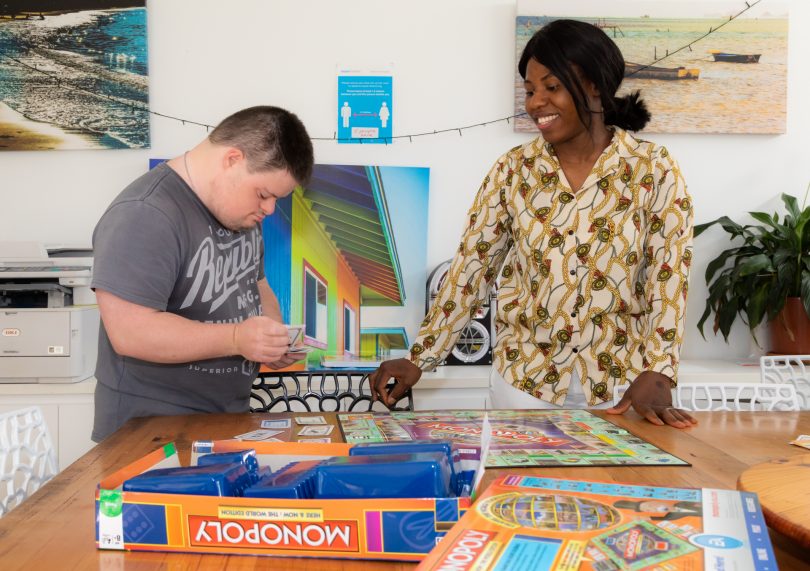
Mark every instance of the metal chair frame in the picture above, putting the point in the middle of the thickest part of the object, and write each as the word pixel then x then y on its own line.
pixel 325 391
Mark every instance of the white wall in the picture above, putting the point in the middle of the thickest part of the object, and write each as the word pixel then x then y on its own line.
pixel 453 65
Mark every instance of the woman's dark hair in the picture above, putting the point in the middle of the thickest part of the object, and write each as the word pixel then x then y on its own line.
pixel 565 46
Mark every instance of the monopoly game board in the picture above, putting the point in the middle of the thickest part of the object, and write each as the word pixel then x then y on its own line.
pixel 519 438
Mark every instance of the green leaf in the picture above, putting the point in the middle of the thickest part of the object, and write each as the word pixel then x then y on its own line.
pixel 730 226
pixel 764 218
pixel 791 204
pixel 725 317
pixel 806 292
pixel 755 264
pixel 703 318
pixel 756 306
pixel 700 228
pixel 718 263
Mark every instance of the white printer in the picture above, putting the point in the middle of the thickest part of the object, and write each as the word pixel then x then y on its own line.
pixel 48 318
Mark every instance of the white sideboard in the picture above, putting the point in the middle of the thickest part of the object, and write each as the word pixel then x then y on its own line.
pixel 68 408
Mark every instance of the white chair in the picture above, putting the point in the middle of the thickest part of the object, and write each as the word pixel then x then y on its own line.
pixel 789 369
pixel 729 396
pixel 27 456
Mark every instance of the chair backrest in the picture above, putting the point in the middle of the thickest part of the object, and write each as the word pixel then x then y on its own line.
pixel 325 391
pixel 729 396
pixel 736 396
pixel 27 456
pixel 791 369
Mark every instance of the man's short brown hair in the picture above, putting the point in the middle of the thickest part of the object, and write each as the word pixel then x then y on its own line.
pixel 271 138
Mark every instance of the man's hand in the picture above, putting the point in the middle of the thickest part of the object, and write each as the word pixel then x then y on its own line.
pixel 261 339
pixel 406 374
pixel 651 396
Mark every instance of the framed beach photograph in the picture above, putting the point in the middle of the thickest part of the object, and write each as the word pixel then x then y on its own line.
pixel 733 80
pixel 73 75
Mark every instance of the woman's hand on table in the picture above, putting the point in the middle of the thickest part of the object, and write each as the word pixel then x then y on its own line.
pixel 403 371
pixel 650 395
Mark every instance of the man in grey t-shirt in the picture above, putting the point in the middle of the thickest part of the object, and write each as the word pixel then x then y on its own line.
pixel 187 314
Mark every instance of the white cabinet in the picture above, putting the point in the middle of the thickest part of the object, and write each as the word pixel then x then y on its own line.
pixel 68 412
pixel 453 387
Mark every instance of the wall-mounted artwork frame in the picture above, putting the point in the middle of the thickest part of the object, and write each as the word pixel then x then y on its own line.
pixel 347 255
pixel 73 75
pixel 732 81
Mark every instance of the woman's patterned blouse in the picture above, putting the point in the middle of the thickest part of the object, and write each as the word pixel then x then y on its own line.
pixel 593 280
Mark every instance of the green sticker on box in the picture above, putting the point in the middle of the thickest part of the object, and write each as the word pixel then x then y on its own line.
pixel 110 502
pixel 169 449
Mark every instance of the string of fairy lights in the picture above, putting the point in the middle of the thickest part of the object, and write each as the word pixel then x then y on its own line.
pixel 61 83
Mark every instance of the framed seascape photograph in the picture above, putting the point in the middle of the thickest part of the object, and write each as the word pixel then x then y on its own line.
pixel 73 75
pixel 346 256
pixel 701 67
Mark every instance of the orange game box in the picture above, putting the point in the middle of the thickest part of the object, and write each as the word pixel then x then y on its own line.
pixel 388 529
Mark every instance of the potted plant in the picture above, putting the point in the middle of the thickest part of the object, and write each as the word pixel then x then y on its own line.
pixel 766 278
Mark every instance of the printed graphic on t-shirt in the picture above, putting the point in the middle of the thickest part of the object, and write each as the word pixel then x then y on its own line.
pixel 217 268
pixel 222 289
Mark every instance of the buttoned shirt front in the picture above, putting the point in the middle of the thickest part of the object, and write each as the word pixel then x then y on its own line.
pixel 593 279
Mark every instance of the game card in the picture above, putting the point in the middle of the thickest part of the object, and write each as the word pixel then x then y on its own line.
pixel 281 423
pixel 319 440
pixel 302 350
pixel 294 333
pixel 310 420
pixel 802 440
pixel 257 435
pixel 316 430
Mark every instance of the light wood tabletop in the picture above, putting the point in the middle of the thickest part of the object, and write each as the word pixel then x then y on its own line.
pixel 55 528
pixel 783 487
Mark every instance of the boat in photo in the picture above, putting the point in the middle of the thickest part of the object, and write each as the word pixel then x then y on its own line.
pixel 734 58
pixel 639 71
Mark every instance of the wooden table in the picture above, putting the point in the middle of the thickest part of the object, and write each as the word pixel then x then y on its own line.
pixel 783 487
pixel 55 528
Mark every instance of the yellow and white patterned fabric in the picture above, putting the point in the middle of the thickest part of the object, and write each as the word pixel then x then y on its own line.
pixel 594 280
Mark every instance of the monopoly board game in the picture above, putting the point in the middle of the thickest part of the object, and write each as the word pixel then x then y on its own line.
pixel 528 523
pixel 519 437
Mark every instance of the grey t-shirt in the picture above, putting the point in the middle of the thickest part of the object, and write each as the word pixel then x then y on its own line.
pixel 158 246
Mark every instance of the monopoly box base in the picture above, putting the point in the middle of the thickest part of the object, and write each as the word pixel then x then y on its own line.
pixel 387 529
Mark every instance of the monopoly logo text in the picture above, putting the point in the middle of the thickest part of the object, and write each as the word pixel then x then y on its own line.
pixel 306 536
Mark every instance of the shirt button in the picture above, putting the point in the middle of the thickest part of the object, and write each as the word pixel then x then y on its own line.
pixel 570 232
pixel 574 314
pixel 573 272
pixel 575 350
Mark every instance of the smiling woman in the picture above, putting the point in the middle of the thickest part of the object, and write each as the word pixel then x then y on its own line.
pixel 590 230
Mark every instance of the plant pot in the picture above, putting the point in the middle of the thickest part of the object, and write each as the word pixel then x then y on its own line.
pixel 790 331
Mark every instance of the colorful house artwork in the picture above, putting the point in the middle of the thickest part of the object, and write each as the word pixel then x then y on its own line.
pixel 346 257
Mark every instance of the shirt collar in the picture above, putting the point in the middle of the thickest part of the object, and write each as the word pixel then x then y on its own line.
pixel 620 149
